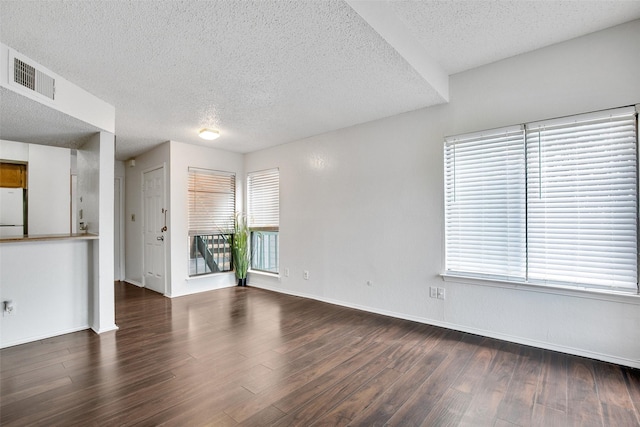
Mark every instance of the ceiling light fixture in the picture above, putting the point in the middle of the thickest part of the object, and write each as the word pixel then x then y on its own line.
pixel 209 134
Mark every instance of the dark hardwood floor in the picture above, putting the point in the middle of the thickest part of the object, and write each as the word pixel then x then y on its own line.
pixel 245 356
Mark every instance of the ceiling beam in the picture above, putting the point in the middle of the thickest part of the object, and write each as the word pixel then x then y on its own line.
pixel 385 22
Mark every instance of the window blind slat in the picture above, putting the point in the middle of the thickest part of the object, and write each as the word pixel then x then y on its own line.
pixel 263 199
pixel 212 201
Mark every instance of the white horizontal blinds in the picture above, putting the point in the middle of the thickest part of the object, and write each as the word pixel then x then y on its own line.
pixel 582 200
pixel 263 199
pixel 485 203
pixel 212 201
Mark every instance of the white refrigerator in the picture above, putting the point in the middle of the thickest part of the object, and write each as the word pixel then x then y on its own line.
pixel 11 212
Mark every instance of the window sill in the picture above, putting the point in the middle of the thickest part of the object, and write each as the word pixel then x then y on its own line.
pixel 210 275
pixel 265 274
pixel 579 292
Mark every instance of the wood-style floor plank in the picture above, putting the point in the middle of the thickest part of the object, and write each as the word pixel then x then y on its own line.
pixel 307 410
pixel 347 410
pixel 552 387
pixel 379 412
pixel 582 393
pixel 427 395
pixel 491 392
pixel 288 385
pixel 518 404
pixel 546 416
pixel 249 357
pixel 632 380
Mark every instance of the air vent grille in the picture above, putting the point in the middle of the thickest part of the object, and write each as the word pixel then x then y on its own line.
pixel 32 78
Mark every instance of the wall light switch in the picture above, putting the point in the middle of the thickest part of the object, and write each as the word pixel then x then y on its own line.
pixel 286 272
pixel 433 292
pixel 133 217
pixel 305 274
pixel 441 293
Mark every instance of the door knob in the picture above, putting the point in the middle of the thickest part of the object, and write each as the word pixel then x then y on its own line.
pixel 160 238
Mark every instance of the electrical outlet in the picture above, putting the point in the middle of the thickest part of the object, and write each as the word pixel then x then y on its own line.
pixel 441 293
pixel 433 292
pixel 286 272
pixel 305 274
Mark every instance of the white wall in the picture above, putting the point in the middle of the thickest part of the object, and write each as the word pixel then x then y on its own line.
pixel 88 189
pixel 118 221
pixel 48 175
pixel 184 156
pixel 64 285
pixel 49 194
pixel 366 203
pixel 48 283
pixel 119 169
pixel 13 150
pixel 177 158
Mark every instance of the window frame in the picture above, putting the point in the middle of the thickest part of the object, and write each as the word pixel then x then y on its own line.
pixel 628 288
pixel 213 236
pixel 263 214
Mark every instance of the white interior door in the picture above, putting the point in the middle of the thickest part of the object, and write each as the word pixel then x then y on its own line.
pixel 154 234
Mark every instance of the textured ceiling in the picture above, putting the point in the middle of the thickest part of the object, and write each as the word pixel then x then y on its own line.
pixel 466 34
pixel 266 72
pixel 28 120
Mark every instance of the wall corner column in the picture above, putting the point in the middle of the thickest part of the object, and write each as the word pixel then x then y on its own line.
pixel 103 283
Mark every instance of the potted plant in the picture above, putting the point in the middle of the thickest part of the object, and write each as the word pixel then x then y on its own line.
pixel 241 248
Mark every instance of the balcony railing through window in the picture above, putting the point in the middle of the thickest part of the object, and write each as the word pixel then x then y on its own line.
pixel 265 251
pixel 210 253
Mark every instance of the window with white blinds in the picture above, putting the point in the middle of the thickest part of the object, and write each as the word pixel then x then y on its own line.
pixel 263 209
pixel 555 204
pixel 485 203
pixel 582 200
pixel 212 201
pixel 263 199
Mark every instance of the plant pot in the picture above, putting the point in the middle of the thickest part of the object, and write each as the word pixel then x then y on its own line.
pixel 242 282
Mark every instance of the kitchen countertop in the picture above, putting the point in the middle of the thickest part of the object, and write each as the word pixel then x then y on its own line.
pixel 49 237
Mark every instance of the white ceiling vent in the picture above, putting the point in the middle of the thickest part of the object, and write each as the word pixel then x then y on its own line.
pixel 30 77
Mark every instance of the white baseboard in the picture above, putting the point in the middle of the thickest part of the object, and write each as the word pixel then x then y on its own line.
pixel 197 291
pixel 113 327
pixel 44 337
pixel 133 282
